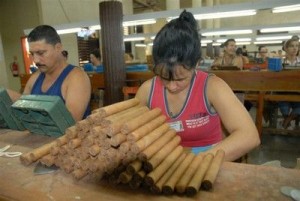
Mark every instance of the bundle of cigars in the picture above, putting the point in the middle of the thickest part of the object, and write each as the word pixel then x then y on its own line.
pixel 130 144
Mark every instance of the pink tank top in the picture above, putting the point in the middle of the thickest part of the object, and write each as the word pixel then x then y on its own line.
pixel 195 124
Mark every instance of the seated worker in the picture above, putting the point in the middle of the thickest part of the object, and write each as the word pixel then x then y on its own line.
pixel 96 64
pixel 239 52
pixel 193 101
pixel 54 75
pixel 290 110
pixel 262 54
pixel 229 58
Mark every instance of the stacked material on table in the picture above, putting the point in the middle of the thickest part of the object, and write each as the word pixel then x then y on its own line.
pixel 130 144
pixel 7 117
pixel 42 114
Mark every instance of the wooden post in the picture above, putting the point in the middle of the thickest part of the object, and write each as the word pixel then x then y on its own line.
pixel 111 19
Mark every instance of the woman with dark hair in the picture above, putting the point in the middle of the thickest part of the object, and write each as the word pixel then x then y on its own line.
pixel 290 110
pixel 193 101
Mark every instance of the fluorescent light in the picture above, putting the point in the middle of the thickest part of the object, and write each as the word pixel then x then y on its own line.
pixel 225 14
pixel 150 44
pixel 139 22
pixel 273 38
pixel 243 43
pixel 140 45
pixel 280 29
pixel 66 31
pixel 289 8
pixel 206 41
pixel 229 32
pixel 217 44
pixel 95 27
pixel 237 40
pixel 133 38
pixel 203 45
pixel 268 42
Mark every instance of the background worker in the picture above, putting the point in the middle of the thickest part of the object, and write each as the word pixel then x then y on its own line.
pixel 229 57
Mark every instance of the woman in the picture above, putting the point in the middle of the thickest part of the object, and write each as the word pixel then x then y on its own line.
pixel 195 102
pixel 290 110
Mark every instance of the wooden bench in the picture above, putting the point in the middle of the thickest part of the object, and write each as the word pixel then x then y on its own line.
pixel 262 86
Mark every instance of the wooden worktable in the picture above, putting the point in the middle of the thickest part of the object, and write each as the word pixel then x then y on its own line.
pixel 234 182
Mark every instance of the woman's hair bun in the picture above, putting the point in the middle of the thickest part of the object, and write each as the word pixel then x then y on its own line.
pixel 188 17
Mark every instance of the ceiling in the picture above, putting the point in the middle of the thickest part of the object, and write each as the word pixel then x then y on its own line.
pixel 146 5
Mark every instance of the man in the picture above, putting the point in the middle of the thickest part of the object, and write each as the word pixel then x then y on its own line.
pixel 55 76
pixel 229 57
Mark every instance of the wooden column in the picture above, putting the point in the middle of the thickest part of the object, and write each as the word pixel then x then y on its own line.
pixel 111 19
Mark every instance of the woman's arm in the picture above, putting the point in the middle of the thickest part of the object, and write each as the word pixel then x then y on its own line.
pixel 143 92
pixel 243 135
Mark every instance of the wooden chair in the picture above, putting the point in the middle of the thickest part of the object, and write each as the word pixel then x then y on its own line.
pixel 129 91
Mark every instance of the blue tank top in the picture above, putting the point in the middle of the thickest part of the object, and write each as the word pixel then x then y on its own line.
pixel 55 88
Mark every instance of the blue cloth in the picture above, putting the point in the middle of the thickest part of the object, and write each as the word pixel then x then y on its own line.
pixel 88 67
pixel 197 150
pixel 55 88
pixel 285 108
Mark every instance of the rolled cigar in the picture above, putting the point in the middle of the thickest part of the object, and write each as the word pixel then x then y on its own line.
pixel 82 134
pixel 63 149
pixel 116 107
pixel 86 164
pixel 74 143
pixel 62 140
pixel 147 140
pixel 54 150
pixel 41 151
pixel 147 153
pixel 169 186
pixel 25 159
pixel 117 139
pixel 157 173
pixel 146 128
pixel 48 160
pixel 137 179
pixel 140 120
pixel 190 172
pixel 68 168
pixel 195 183
pixel 88 141
pixel 157 187
pixel 213 170
pixel 94 118
pixel 161 154
pixel 125 177
pixel 134 167
pixel 94 150
pixel 79 174
pixel 124 147
pixel 71 132
pixel 115 126
pixel 83 125
pixel 96 130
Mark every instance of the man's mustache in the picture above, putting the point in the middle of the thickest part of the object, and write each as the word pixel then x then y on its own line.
pixel 39 64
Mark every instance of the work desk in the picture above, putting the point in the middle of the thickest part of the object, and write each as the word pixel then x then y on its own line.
pixel 235 181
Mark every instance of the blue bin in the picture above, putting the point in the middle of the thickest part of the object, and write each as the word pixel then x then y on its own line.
pixel 274 64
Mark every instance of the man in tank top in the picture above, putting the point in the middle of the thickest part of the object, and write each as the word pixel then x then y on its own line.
pixel 55 76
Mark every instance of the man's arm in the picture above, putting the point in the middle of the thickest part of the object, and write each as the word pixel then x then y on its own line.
pixel 77 93
pixel 14 96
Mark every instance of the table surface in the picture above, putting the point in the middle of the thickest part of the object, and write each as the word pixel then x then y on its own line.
pixel 235 181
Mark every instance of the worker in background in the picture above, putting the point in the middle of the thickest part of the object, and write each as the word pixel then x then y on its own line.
pixel 229 57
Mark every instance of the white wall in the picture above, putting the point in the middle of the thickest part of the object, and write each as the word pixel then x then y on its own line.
pixel 15 16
